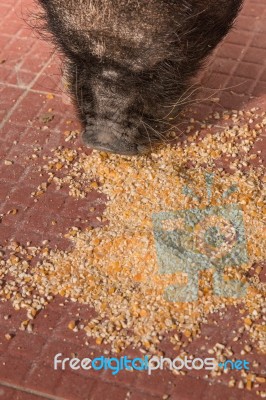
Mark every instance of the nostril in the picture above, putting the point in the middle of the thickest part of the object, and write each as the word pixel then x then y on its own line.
pixel 103 148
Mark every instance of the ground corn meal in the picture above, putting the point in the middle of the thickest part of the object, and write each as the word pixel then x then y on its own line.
pixel 114 268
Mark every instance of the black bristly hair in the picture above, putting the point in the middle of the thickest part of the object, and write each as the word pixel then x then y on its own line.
pixel 129 62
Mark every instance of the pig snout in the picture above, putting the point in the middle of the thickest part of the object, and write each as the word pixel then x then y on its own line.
pixel 113 115
pixel 106 135
pixel 114 126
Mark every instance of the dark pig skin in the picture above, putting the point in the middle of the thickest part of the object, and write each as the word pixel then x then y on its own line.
pixel 129 63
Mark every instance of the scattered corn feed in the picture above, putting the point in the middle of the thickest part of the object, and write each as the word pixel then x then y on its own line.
pixel 114 267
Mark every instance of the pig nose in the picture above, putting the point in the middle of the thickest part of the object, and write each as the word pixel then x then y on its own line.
pixel 103 139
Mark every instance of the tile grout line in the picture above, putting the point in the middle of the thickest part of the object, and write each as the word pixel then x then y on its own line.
pixel 13 10
pixel 12 85
pixel 31 391
pixel 23 95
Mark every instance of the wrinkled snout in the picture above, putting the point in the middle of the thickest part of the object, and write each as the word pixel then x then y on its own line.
pixel 112 137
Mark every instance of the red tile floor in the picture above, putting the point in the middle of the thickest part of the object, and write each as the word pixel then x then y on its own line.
pixel 29 72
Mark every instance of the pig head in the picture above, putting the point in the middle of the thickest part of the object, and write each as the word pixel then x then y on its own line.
pixel 129 61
